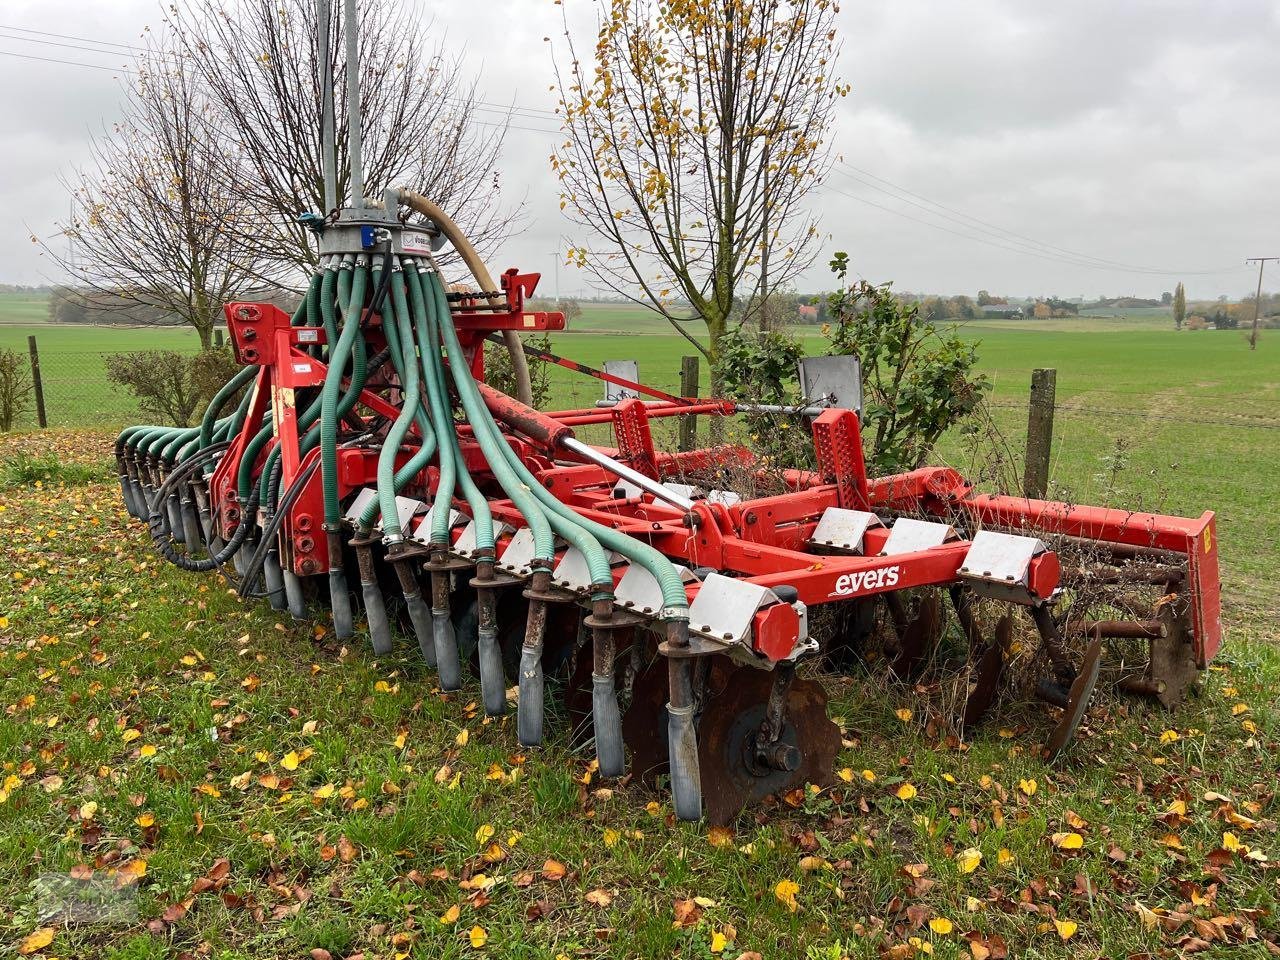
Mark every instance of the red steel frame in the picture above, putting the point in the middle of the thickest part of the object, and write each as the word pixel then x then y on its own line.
pixel 762 540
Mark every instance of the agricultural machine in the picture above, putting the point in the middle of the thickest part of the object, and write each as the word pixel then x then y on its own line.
pixel 360 463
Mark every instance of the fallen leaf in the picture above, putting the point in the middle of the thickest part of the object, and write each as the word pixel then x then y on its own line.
pixel 1066 928
pixel 786 891
pixel 478 937
pixel 554 870
pixel 941 926
pixel 450 916
pixel 1067 841
pixel 968 859
pixel 36 940
pixel 599 898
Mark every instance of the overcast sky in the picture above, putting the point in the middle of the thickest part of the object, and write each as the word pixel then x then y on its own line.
pixel 1089 134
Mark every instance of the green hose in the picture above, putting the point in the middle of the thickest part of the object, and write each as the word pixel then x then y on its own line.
pixel 438 394
pixel 340 356
pixel 674 598
pixel 401 343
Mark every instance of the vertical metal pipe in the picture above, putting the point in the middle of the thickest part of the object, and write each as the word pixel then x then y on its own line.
pixel 351 30
pixel 328 150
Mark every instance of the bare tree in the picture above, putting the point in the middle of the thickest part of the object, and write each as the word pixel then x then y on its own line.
pixel 694 132
pixel 154 218
pixel 258 63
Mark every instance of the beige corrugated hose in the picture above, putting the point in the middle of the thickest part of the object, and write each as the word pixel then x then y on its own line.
pixel 420 204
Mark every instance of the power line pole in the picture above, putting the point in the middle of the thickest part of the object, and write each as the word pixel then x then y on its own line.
pixel 1257 300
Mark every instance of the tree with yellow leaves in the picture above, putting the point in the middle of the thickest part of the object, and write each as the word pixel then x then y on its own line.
pixel 694 131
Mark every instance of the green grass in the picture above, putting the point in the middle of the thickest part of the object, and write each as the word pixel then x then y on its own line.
pixel 147 716
pixel 23 307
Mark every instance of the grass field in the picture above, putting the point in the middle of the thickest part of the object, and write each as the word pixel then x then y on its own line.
pixel 222 782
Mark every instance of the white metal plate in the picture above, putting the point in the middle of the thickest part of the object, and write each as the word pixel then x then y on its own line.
pixel 836 381
pixel 639 590
pixel 1001 557
pixel 405 507
pixel 423 530
pixel 725 498
pixel 843 529
pixel 627 370
pixel 466 542
pixel 725 608
pixel 909 535
pixel 572 572
pixel 519 553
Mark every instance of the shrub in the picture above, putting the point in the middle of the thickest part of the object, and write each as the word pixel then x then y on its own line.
pixel 15 388
pixel 760 367
pixel 499 375
pixel 170 385
pixel 917 379
pixel 1197 322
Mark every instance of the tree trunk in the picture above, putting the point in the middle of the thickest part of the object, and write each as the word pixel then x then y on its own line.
pixel 716 328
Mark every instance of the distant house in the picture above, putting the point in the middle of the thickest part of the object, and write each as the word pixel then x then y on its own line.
pixel 1001 311
pixel 808 313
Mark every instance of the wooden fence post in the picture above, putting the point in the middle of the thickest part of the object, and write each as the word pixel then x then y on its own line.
pixel 689 388
pixel 37 382
pixel 1035 477
pixel 217 337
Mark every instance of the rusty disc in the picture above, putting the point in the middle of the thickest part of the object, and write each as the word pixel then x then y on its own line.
pixel 731 780
pixel 985 679
pixel 919 639
pixel 1077 703
pixel 644 721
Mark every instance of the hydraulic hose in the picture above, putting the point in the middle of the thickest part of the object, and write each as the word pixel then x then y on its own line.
pixel 340 355
pixel 420 204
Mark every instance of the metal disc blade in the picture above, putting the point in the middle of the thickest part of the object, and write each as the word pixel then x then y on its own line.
pixel 1077 703
pixel 920 637
pixel 727 731
pixel 985 680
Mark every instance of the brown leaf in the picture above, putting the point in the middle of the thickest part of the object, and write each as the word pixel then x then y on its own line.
pixel 599 898
pixel 554 870
pixel 346 849
pixel 687 913
pixel 219 870
pixel 176 911
pixel 320 953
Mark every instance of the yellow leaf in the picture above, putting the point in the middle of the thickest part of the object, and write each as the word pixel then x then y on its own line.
pixel 869 776
pixel 145 820
pixel 461 740
pixel 450 916
pixel 130 735
pixel 718 941
pixel 37 940
pixel 400 738
pixel 611 837
pixel 810 864
pixel 290 760
pixel 478 937
pixel 1067 841
pixel 209 790
pixel 1004 857
pixel 969 859
pixel 88 810
pixel 903 714
pixel 1169 736
pixel 906 792
pixel 1239 708
pixel 786 891
pixel 147 750
pixel 1066 928
pixel 941 926
pixel 241 781
pixel 131 872
pixel 1230 842
pixel 325 792
pixel 720 837
pixel 846 775
pixel 484 834
pixel 1028 787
